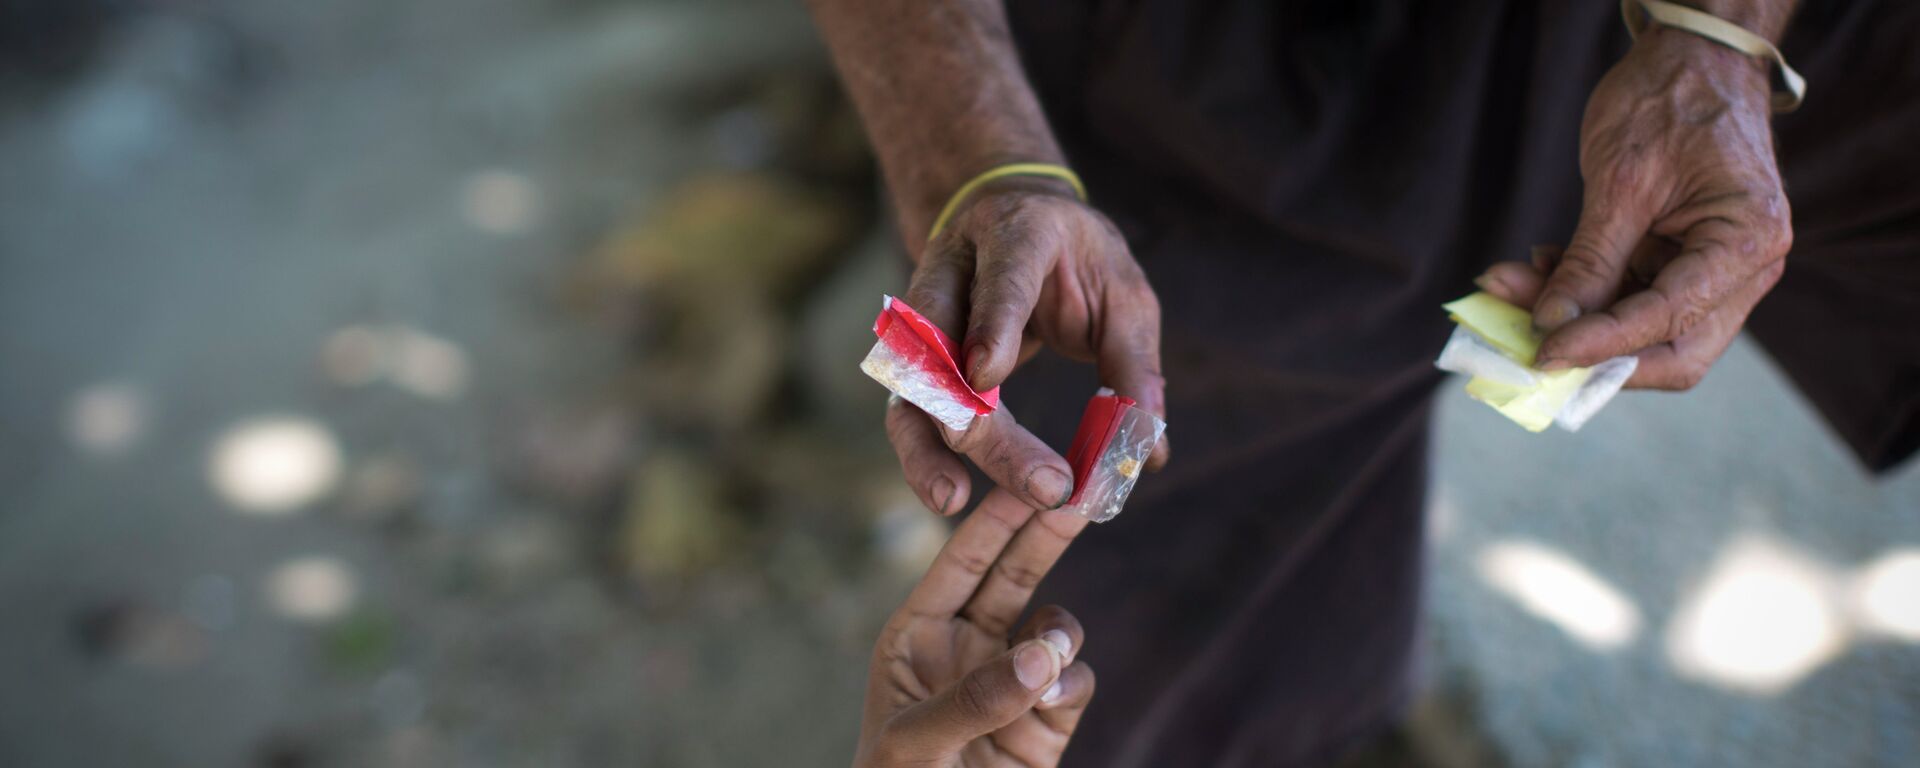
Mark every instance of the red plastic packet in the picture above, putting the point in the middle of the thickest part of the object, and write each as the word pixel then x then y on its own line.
pixel 917 361
pixel 1108 452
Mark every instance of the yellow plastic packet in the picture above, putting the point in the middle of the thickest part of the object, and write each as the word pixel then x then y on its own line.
pixel 1496 345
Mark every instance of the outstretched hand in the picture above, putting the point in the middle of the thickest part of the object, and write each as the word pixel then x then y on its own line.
pixel 948 685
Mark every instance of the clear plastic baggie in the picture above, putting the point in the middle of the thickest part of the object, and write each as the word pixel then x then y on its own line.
pixel 1109 453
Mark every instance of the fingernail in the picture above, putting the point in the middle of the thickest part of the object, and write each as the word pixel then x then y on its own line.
pixel 942 494
pixel 1484 283
pixel 1050 486
pixel 1052 694
pixel 1552 364
pixel 1062 644
pixel 1555 311
pixel 1032 665
pixel 976 357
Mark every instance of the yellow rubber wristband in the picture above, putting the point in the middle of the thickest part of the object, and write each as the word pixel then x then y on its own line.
pixel 1641 13
pixel 1000 172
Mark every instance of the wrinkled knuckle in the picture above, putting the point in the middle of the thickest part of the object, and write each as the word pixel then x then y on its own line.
pixel 973 563
pixel 1770 216
pixel 1005 276
pixel 1687 306
pixel 997 457
pixel 1583 262
pixel 910 452
pixel 1064 526
pixel 1006 295
pixel 1778 235
pixel 1681 320
pixel 1620 176
pixel 973 700
pixel 916 463
pixel 1020 574
pixel 992 319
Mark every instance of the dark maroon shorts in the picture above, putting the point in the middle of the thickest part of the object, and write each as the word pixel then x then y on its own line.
pixel 1305 182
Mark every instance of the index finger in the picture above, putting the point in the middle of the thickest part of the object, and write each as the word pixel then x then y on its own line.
pixel 1011 580
pixel 1714 263
pixel 968 555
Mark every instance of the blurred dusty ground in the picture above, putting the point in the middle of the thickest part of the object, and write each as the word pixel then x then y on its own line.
pixel 473 383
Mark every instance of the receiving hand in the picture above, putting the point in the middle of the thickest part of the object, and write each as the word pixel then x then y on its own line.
pixel 944 687
pixel 1684 227
pixel 1025 263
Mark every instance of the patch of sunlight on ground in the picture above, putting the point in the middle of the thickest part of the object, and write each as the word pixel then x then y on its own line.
pixel 414 360
pixel 500 202
pixel 1553 586
pixel 274 465
pixel 106 419
pixel 1886 595
pixel 1762 619
pixel 312 588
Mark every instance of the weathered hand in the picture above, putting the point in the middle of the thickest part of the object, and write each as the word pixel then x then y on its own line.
pixel 1685 225
pixel 1024 263
pixel 944 689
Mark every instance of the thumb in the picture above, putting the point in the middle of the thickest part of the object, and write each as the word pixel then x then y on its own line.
pixel 987 699
pixel 1590 272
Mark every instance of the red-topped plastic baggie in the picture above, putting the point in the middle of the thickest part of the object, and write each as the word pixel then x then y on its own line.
pixel 1108 454
pixel 916 361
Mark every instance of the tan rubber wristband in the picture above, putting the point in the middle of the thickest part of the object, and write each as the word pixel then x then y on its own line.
pixel 1641 13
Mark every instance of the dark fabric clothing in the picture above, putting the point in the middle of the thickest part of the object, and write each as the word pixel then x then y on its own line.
pixel 1305 182
pixel 1844 323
